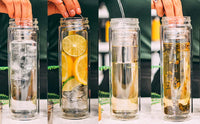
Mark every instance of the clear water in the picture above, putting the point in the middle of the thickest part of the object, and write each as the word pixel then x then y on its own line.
pixel 124 82
pixel 23 78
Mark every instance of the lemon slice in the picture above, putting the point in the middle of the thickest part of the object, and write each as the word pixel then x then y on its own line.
pixel 70 84
pixel 71 32
pixel 81 69
pixel 74 45
pixel 67 66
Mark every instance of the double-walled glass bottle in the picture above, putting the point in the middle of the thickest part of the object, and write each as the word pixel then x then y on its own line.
pixel 23 68
pixel 176 67
pixel 73 59
pixel 124 62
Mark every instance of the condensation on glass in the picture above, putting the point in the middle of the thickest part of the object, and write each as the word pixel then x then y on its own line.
pixel 23 68
pixel 73 74
pixel 124 62
pixel 176 67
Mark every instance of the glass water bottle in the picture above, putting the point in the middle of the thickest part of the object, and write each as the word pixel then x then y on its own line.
pixel 176 67
pixel 23 68
pixel 124 62
pixel 73 59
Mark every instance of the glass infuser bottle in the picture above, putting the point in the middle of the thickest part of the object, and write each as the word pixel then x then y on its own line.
pixel 175 67
pixel 23 68
pixel 73 59
pixel 124 62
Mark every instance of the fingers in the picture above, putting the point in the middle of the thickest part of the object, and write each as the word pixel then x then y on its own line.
pixel 159 7
pixel 152 5
pixel 177 8
pixel 61 7
pixel 52 9
pixel 70 7
pixel 17 8
pixel 10 7
pixel 169 8
pixel 77 6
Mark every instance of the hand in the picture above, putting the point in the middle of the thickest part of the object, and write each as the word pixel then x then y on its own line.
pixel 16 8
pixel 66 8
pixel 167 7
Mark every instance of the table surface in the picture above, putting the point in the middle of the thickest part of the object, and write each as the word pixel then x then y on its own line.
pixel 148 115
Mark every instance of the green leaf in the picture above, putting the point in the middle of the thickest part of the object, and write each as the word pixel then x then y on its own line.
pixel 104 68
pixel 53 96
pixel 53 67
pixel 103 94
pixel 155 95
pixel 3 97
pixel 3 68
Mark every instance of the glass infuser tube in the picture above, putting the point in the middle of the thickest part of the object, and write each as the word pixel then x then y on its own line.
pixel 23 67
pixel 73 59
pixel 175 68
pixel 124 62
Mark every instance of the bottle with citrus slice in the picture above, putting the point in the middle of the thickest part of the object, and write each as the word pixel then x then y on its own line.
pixel 74 67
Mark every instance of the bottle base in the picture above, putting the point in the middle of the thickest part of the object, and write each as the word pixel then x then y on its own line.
pixel 75 115
pixel 176 118
pixel 124 115
pixel 23 115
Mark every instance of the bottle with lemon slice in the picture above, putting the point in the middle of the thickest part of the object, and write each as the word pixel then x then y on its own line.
pixel 74 67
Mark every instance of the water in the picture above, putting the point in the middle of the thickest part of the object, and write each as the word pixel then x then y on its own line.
pixel 176 77
pixel 124 82
pixel 75 102
pixel 23 78
pixel 121 8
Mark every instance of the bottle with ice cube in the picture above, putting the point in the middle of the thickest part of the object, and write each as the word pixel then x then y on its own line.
pixel 23 66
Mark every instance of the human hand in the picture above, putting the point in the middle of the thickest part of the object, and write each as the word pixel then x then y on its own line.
pixel 16 8
pixel 66 7
pixel 168 7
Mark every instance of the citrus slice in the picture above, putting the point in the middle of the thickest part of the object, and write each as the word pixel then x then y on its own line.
pixel 71 32
pixel 67 67
pixel 74 45
pixel 80 69
pixel 70 84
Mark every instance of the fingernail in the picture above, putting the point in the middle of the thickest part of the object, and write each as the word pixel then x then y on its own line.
pixel 66 14
pixel 72 13
pixel 78 10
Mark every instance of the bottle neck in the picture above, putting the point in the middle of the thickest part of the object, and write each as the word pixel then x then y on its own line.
pixel 23 23
pixel 124 23
pixel 176 21
pixel 74 23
